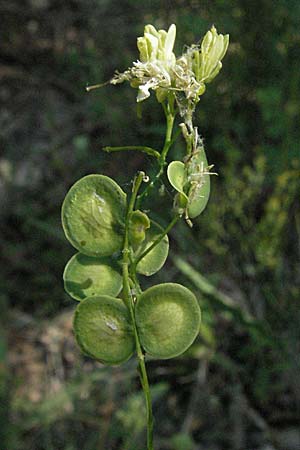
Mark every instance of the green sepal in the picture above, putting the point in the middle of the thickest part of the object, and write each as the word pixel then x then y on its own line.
pixel 168 318
pixel 86 276
pixel 93 215
pixel 103 329
pixel 155 259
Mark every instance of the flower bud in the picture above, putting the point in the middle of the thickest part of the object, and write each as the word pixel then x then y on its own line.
pixel 213 49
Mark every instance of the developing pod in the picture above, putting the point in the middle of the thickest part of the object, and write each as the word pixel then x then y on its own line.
pixel 85 276
pixel 192 181
pixel 103 329
pixel 177 176
pixel 93 215
pixel 154 260
pixel 168 319
pixel 197 173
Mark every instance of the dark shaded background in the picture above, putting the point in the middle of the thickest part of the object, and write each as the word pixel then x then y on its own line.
pixel 238 387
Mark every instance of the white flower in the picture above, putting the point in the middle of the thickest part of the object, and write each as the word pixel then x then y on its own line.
pixel 157 45
pixel 153 70
pixel 159 70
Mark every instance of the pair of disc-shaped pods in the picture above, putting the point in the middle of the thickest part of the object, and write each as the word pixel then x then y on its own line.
pixel 191 180
pixel 167 316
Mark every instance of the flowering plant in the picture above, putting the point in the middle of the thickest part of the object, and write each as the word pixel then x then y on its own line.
pixel 117 240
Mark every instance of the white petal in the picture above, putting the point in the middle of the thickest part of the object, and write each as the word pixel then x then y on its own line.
pixel 152 44
pixel 143 48
pixel 170 40
pixel 151 30
pixel 143 93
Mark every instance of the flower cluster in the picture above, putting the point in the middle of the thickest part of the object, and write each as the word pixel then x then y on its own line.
pixel 159 70
pixel 157 61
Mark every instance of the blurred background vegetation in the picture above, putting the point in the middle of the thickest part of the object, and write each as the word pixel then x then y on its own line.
pixel 238 387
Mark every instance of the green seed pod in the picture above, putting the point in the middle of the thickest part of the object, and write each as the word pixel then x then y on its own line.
pixel 198 182
pixel 85 276
pixel 168 319
pixel 93 215
pixel 103 329
pixel 155 259
pixel 138 224
pixel 177 176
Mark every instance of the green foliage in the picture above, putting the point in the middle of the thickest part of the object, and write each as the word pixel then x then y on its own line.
pixel 182 441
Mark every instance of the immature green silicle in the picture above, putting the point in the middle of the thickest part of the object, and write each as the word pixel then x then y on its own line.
pixel 93 215
pixel 167 315
pixel 85 276
pixel 168 319
pixel 155 259
pixel 94 219
pixel 103 329
pixel 191 179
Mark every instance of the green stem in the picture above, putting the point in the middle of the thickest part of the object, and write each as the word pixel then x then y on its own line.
pixel 136 283
pixel 157 241
pixel 130 303
pixel 147 393
pixel 170 114
pixel 174 138
pixel 170 117
pixel 148 150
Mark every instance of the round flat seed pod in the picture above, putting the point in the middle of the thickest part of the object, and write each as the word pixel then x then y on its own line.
pixel 177 176
pixel 103 329
pixel 85 276
pixel 168 319
pixel 199 180
pixel 155 259
pixel 93 215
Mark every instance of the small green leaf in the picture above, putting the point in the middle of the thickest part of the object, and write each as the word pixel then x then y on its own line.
pixel 155 259
pixel 177 176
pixel 198 178
pixel 138 224
pixel 85 276
pixel 168 319
pixel 93 215
pixel 103 329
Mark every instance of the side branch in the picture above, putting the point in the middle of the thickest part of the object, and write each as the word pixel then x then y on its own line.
pixel 148 150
